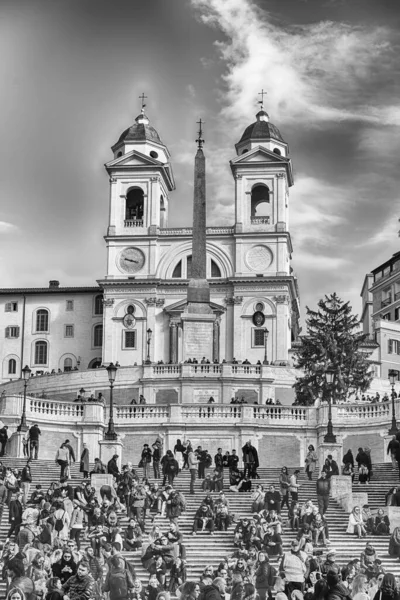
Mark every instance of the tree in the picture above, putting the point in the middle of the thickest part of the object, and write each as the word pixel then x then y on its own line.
pixel 332 341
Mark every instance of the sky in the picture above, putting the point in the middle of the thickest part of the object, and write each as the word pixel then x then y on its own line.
pixel 71 73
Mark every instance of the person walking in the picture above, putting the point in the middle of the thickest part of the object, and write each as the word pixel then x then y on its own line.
pixel 193 463
pixel 71 458
pixel 3 439
pixel 323 490
pixel 311 461
pixel 284 481
pixel 294 486
pixel 156 459
pixel 84 462
pixel 15 515
pixel 145 459
pixel 62 458
pixel 34 434
pixel 3 497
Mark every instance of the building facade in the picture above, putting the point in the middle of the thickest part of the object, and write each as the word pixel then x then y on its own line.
pixel 134 316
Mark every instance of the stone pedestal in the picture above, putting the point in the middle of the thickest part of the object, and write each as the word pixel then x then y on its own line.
pixel 14 446
pixel 97 480
pixel 326 448
pixel 198 335
pixel 107 450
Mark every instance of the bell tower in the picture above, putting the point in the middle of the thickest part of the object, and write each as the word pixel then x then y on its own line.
pixel 141 180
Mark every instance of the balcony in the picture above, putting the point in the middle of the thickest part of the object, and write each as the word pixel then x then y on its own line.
pixel 133 223
pixel 397 296
pixel 260 220
pixel 386 301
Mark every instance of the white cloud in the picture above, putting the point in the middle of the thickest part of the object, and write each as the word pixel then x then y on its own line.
pixel 6 227
pixel 314 72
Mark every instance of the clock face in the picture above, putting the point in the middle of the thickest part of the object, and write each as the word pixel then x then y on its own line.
pixel 131 260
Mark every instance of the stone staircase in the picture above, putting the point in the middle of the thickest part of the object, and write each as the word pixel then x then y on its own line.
pixel 204 549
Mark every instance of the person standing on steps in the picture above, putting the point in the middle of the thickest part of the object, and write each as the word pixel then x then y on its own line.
pixel 219 460
pixel 311 461
pixel 156 458
pixel 193 463
pixel 323 490
pixel 392 448
pixel 34 433
pixel 84 462
pixel 15 515
pixel 62 458
pixel 71 458
pixel 250 460
pixel 26 480
pixel 145 459
pixel 3 439
pixel 294 486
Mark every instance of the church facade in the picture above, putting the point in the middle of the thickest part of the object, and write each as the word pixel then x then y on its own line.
pixel 254 294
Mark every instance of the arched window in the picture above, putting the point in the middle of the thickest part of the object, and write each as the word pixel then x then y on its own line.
pixel 260 197
pixel 277 151
pixel 177 272
pixel 42 320
pixel 98 336
pixel 41 353
pixel 119 154
pixel 98 305
pixel 95 363
pixel 12 366
pixel 215 270
pixel 134 205
pixel 68 364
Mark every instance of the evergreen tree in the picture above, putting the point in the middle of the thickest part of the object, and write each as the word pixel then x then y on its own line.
pixel 332 341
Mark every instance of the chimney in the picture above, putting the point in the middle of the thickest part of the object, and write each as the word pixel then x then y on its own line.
pixel 54 283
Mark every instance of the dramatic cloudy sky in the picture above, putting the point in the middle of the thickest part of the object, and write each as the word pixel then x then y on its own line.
pixel 71 73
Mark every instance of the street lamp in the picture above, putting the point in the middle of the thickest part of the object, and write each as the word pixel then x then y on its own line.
pixel 266 332
pixel 149 335
pixel 110 433
pixel 392 378
pixel 26 373
pixel 330 378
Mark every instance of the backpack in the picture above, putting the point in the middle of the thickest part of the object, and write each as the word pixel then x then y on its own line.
pixel 208 460
pixel 59 523
pixel 118 586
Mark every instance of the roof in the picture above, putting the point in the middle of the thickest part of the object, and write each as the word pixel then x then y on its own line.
pixel 139 131
pixel 50 290
pixel 261 129
pixel 392 260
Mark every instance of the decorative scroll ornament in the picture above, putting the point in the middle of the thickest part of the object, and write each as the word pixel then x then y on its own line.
pixel 154 301
pixel 129 321
pixel 230 301
pixel 108 301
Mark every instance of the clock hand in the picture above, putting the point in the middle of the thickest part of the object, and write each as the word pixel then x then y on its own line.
pixel 130 260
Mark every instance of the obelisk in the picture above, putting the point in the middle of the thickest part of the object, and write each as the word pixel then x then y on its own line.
pixel 198 295
pixel 198 319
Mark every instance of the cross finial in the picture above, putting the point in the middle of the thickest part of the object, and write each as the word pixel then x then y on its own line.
pixel 142 98
pixel 199 140
pixel 262 94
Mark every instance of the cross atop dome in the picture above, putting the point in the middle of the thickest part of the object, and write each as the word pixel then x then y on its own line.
pixel 261 102
pixel 142 118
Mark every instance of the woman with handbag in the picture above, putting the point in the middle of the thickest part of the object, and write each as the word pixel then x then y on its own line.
pixel 84 463
pixel 311 461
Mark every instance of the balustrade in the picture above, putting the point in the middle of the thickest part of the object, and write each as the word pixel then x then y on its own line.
pixel 153 412
pixel 206 369
pixel 279 413
pixel 207 412
pixel 167 370
pixel 52 408
pixel 246 369
pixel 133 223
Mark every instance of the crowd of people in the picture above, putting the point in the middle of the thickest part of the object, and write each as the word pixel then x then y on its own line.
pixel 69 541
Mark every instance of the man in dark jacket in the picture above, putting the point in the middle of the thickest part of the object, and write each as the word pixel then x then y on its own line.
pixel 392 449
pixel 219 460
pixel 215 591
pixel 112 466
pixel 334 466
pixel 233 461
pixel 204 519
pixel 79 586
pixel 119 579
pixel 323 489
pixel 3 439
pixel 34 434
pixel 250 460
pixel 273 499
pixel 15 515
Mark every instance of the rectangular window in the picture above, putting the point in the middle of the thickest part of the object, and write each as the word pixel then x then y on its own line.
pixel 40 353
pixel 129 339
pixel 393 346
pixel 70 305
pixel 12 332
pixel 258 338
pixel 69 331
pixel 11 307
pixel 397 314
pixel 386 317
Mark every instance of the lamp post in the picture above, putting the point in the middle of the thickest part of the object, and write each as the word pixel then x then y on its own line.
pixel 266 332
pixel 330 378
pixel 26 373
pixel 110 433
pixel 392 378
pixel 149 336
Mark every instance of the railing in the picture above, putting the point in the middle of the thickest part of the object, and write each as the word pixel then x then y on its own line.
pixel 246 369
pixel 133 223
pixel 279 413
pixel 151 412
pixel 66 410
pixel 206 369
pixel 207 412
pixel 189 231
pixel 386 302
pixel 260 220
pixel 167 370
pixel 363 411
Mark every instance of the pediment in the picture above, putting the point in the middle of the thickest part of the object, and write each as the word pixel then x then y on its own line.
pixel 180 306
pixel 259 154
pixel 134 158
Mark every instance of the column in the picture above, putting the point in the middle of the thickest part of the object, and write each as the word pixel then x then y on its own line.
pixel 173 342
pixel 216 340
